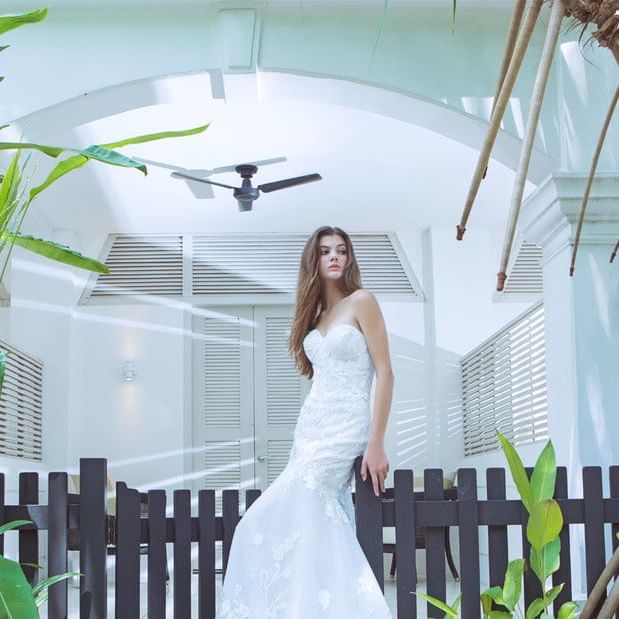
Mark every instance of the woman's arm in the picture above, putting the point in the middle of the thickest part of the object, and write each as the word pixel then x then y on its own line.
pixel 371 320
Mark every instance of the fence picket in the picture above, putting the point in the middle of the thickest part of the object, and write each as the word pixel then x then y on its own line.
pixel 182 554
pixel 93 537
pixel 230 516
pixel 594 527
pixel 28 538
pixel 469 542
pixel 435 543
pixel 497 534
pixel 57 542
pixel 206 554
pixel 405 550
pixel 127 602
pixel 368 519
pixel 157 556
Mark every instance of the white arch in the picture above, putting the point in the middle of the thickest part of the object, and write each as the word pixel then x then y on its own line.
pixel 276 85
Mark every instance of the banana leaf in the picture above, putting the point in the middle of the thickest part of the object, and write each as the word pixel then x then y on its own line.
pixel 100 152
pixel 9 22
pixel 55 251
pixel 16 598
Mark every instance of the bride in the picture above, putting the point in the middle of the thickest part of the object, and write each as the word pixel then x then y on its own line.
pixel 295 554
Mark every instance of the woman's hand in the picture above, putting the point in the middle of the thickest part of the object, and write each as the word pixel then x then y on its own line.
pixel 375 462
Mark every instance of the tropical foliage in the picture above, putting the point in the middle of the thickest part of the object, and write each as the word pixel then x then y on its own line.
pixel 18 600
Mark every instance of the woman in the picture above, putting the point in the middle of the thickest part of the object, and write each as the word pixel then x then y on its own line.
pixel 294 554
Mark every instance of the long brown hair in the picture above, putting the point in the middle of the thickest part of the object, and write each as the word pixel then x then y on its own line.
pixel 309 292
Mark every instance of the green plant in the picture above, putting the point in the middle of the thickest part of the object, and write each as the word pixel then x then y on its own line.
pixel 543 527
pixel 18 600
pixel 451 610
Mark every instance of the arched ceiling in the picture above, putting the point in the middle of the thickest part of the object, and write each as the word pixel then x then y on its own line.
pixel 388 161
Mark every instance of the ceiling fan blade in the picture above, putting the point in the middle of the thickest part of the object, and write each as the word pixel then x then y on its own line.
pixel 158 164
pixel 289 182
pixel 202 180
pixel 232 168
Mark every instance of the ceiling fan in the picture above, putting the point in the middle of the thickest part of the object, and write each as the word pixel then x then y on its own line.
pixel 201 190
pixel 247 193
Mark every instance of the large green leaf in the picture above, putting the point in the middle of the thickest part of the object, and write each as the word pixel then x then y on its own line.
pixel 40 589
pixel 486 603
pixel 150 137
pixel 496 594
pixel 14 524
pixel 567 610
pixel 536 607
pixel 9 22
pixel 544 474
pixel 512 587
pixel 50 151
pixel 57 252
pixel 546 561
pixel 111 157
pixel 15 592
pixel 448 610
pixel 59 170
pixel 9 190
pixel 519 475
pixel 544 524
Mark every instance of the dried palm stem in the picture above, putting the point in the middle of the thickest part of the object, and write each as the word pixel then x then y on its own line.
pixel 599 589
pixel 512 35
pixel 522 42
pixel 541 80
pixel 594 164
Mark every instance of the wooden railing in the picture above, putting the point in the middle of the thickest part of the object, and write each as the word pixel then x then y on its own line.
pixel 81 523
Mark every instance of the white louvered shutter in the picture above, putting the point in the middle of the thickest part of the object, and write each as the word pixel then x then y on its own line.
pixel 525 275
pixel 140 265
pixel 504 386
pixel 234 266
pixel 280 392
pixel 223 401
pixel 21 406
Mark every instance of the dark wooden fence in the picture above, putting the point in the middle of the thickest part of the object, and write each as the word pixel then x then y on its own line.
pixel 80 523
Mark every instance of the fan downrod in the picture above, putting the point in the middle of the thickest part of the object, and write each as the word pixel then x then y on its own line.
pixel 246 170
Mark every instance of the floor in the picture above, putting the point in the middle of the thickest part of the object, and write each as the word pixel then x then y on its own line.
pixel 453 589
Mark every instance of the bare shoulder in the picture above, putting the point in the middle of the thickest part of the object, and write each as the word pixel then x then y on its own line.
pixel 364 299
pixel 363 295
pixel 366 308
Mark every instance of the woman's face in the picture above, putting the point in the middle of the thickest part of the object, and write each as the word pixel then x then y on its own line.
pixel 333 256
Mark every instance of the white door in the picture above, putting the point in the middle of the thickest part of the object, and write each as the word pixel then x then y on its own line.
pixel 247 396
pixel 279 392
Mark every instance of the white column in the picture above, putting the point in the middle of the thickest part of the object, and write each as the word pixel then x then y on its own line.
pixel 582 317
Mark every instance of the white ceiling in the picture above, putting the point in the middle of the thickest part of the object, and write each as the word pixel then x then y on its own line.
pixel 379 173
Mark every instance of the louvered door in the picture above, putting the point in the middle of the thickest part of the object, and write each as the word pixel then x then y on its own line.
pixel 223 420
pixel 247 396
pixel 279 391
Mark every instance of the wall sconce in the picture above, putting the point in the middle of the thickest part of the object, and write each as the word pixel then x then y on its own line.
pixel 129 372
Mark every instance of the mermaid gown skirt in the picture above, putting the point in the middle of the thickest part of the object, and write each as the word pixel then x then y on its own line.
pixel 294 553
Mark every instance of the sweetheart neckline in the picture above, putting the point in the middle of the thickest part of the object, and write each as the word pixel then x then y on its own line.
pixel 342 324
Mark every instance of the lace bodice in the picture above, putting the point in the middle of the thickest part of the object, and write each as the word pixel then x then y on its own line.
pixel 342 364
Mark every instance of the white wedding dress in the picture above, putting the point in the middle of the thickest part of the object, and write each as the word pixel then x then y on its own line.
pixel 295 554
